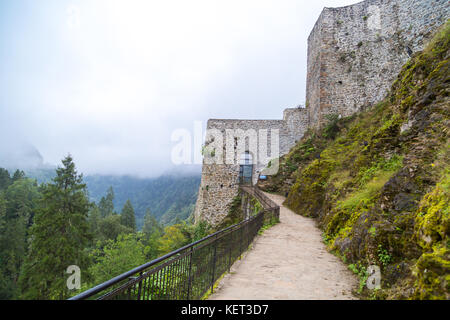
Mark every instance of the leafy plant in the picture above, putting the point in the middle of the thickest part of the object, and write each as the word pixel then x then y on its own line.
pixel 383 255
pixel 332 128
pixel 362 274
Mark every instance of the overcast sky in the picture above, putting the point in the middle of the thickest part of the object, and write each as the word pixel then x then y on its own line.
pixel 110 80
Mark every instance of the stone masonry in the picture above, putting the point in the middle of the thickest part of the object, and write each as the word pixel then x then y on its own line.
pixel 220 179
pixel 354 54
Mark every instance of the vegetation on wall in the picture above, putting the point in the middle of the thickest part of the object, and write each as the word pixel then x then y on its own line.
pixel 235 214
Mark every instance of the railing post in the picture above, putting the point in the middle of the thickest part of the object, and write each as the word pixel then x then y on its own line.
pixel 164 283
pixel 190 274
pixel 241 239
pixel 139 287
pixel 214 265
pixel 230 251
pixel 129 293
pixel 170 281
pixel 248 234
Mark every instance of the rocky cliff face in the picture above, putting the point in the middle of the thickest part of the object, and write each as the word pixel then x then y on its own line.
pixel 378 182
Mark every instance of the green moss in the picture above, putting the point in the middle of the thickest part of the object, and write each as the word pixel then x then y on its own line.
pixel 432 223
pixel 341 226
pixel 407 103
pixel 312 184
pixel 269 223
pixel 256 205
pixel 208 293
pixel 383 168
pixel 365 196
pixel 432 272
pixel 235 215
pixel 439 45
pixel 340 179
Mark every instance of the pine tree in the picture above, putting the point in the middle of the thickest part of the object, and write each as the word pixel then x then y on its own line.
pixel 94 219
pixel 19 174
pixel 21 199
pixel 151 225
pixel 59 236
pixel 152 232
pixel 6 285
pixel 127 216
pixel 106 204
pixel 5 179
pixel 111 227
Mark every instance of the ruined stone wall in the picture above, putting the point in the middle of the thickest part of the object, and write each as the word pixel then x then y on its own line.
pixel 296 121
pixel 355 52
pixel 220 179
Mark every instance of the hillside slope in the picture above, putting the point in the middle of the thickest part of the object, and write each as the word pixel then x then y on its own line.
pixel 169 198
pixel 379 182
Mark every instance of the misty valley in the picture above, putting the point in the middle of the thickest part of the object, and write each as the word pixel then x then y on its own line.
pixel 106 225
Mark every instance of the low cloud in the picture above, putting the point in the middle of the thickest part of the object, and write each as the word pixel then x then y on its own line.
pixel 109 81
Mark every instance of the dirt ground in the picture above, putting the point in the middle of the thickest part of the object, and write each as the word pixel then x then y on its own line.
pixel 290 262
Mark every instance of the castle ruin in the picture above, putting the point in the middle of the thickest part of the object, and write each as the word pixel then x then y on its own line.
pixel 354 55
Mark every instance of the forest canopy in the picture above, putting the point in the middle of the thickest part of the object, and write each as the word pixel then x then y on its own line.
pixel 47 227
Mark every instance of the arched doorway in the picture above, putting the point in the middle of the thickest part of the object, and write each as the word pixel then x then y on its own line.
pixel 246 169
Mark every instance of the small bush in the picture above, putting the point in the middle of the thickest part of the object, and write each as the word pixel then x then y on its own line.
pixel 332 127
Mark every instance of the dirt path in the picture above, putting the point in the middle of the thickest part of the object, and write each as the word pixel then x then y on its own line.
pixel 289 261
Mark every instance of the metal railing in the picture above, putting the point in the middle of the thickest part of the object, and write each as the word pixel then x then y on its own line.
pixel 268 204
pixel 185 274
pixel 189 272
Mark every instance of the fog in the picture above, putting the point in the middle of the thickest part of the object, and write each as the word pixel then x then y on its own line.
pixel 108 81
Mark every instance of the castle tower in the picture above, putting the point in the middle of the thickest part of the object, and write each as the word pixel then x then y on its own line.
pixel 232 148
pixel 355 52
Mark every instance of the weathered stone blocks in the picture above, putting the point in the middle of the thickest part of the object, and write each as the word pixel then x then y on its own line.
pixel 354 54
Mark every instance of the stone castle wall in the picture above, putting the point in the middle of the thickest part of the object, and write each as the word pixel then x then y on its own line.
pixel 355 52
pixel 220 179
pixel 354 55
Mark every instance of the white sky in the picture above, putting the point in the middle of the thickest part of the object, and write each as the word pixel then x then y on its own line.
pixel 110 80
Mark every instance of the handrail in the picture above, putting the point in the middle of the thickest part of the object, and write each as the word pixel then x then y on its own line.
pixel 183 270
pixel 188 272
pixel 265 200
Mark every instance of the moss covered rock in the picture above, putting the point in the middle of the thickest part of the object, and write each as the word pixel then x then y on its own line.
pixel 378 185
